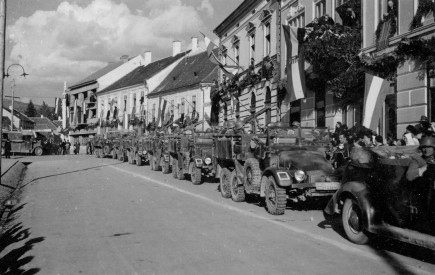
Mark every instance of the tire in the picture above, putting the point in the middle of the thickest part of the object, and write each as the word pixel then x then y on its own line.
pixel 114 154
pixel 351 218
pixel 138 160
pixel 276 198
pixel 237 191
pixel 38 151
pixel 106 150
pixel 175 169
pixel 166 167
pixel 252 172
pixel 224 183
pixel 195 175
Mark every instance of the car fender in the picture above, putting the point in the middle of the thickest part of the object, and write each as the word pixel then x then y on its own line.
pixel 358 191
pixel 280 179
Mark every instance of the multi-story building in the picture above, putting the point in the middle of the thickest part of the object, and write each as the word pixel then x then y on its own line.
pixel 414 88
pixel 81 98
pixel 129 94
pixel 252 34
pixel 185 93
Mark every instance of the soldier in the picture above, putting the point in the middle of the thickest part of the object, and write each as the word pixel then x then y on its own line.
pixel 418 165
pixel 7 146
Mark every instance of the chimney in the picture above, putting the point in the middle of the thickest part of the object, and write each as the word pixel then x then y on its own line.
pixel 124 58
pixel 147 57
pixel 194 44
pixel 176 47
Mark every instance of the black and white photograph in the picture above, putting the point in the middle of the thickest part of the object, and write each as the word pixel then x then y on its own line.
pixel 217 137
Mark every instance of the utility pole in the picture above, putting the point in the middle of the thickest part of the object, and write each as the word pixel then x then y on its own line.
pixel 2 57
pixel 12 111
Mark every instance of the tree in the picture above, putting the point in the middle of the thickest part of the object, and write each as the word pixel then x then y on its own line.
pixel 31 110
pixel 46 111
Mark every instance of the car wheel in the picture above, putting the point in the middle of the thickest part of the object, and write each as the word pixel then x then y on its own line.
pixel 166 167
pixel 38 151
pixel 195 175
pixel 138 160
pixel 237 191
pixel 224 183
pixel 275 197
pixel 253 173
pixel 351 218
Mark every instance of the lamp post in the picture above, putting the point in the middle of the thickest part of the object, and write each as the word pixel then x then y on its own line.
pixel 13 88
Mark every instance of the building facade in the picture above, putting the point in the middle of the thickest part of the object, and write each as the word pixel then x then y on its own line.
pixel 125 101
pixel 20 120
pixel 183 96
pixel 414 88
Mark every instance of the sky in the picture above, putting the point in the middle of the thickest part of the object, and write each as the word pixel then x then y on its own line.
pixel 67 40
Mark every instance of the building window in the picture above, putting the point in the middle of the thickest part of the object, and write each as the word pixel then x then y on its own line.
pixel 320 8
pixel 298 20
pixel 267 102
pixel 267 39
pixel 252 46
pixel 194 102
pixel 253 102
pixel 236 54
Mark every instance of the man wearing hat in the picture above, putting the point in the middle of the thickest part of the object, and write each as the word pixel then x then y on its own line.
pixel 424 127
pixel 418 165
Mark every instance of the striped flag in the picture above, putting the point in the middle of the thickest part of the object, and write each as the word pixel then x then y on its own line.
pixel 162 111
pixel 376 89
pixel 229 71
pixel 56 105
pixel 295 62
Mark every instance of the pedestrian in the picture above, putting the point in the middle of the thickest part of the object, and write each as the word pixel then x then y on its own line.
pixel 76 148
pixel 88 147
pixel 410 136
pixel 424 127
pixel 67 147
pixel 367 138
pixel 7 146
pixel 63 147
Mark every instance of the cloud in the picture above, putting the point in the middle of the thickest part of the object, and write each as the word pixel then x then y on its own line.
pixel 76 39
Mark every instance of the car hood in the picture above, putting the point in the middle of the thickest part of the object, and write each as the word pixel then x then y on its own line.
pixel 305 160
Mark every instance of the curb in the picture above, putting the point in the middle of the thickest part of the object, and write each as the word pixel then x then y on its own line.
pixel 11 177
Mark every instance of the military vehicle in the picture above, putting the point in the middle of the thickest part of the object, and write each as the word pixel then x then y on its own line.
pixel 138 152
pixel 191 154
pixel 25 142
pixel 284 162
pixel 376 197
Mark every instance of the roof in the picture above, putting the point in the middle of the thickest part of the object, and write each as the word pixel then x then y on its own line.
pixel 93 77
pixel 58 123
pixel 191 71
pixel 20 115
pixel 244 8
pixel 43 123
pixel 142 73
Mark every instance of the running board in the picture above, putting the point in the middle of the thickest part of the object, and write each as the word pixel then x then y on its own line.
pixel 404 235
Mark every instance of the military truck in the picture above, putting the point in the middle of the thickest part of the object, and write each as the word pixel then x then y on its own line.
pixel 284 162
pixel 138 152
pixel 25 142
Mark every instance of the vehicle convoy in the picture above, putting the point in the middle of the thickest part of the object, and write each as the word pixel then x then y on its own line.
pixel 138 151
pixel 191 154
pixel 377 198
pixel 284 162
pixel 26 142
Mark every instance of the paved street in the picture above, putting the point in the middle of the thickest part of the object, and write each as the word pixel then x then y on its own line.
pixel 83 215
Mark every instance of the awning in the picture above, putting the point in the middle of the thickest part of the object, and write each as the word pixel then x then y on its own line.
pixel 83 134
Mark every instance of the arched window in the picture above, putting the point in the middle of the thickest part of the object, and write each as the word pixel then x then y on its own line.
pixel 267 103
pixel 253 102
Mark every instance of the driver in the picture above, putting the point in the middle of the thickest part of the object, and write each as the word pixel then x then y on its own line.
pixel 418 165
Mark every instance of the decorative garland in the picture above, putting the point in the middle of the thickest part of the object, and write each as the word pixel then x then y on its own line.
pixel 424 8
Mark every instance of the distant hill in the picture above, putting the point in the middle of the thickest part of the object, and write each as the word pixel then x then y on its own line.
pixel 20 106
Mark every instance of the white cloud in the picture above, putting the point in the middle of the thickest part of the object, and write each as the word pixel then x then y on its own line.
pixel 207 7
pixel 75 40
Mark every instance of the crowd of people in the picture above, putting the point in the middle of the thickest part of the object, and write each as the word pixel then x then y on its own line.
pixel 344 139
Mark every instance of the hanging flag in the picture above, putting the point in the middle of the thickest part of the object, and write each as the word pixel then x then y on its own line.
pixel 56 105
pixel 211 48
pixel 376 89
pixel 382 41
pixel 163 116
pixel 295 63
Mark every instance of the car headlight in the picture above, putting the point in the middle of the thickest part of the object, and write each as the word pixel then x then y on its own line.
pixel 300 175
pixel 207 161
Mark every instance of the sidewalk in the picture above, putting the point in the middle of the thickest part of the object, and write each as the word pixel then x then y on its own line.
pixel 10 173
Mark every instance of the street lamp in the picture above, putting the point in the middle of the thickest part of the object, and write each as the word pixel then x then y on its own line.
pixel 12 87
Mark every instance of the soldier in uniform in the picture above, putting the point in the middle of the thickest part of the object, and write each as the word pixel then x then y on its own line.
pixel 419 165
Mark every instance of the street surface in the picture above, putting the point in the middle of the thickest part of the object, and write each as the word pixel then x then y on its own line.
pixel 84 215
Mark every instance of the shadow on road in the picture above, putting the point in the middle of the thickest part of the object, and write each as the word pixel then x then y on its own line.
pixel 69 172
pixel 385 248
pixel 19 237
